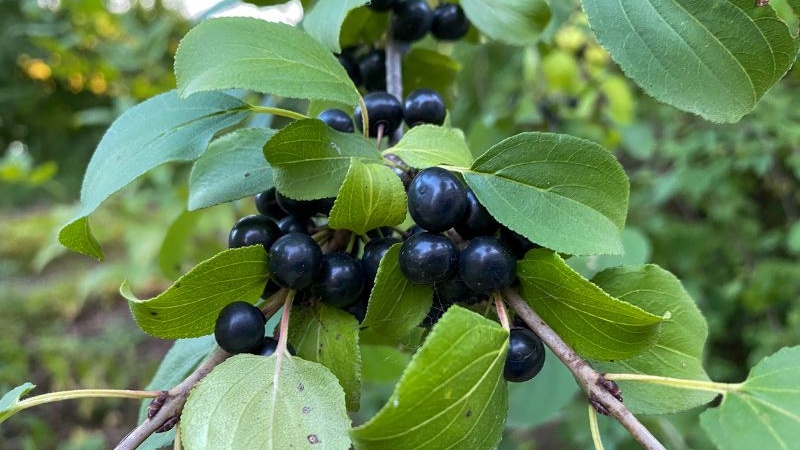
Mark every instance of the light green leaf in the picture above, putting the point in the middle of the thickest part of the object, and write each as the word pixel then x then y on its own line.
pixel 9 401
pixel 363 26
pixel 383 364
pixel 428 145
pixel 559 191
pixel 678 351
pixel 637 252
pixel 371 196
pixel 248 402
pixel 539 400
pixel 595 324
pixel 189 308
pixel 324 21
pixel 329 336
pixel 452 395
pixel 179 237
pixel 160 130
pixel 764 413
pixel 715 58
pixel 515 22
pixel 310 160
pixel 425 68
pixel 268 57
pixel 233 167
pixel 396 305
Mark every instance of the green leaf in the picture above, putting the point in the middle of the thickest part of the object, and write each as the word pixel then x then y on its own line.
pixel 764 412
pixel 363 26
pixel 382 364
pixel 452 395
pixel 329 336
pixel 310 160
pixel 539 400
pixel 9 401
pixel 396 305
pixel 637 252
pixel 268 57
pixel 371 196
pixel 179 237
pixel 678 351
pixel 515 22
pixel 324 21
pixel 715 58
pixel 559 191
pixel 595 324
pixel 189 308
pixel 425 68
pixel 233 167
pixel 160 130
pixel 248 402
pixel 428 145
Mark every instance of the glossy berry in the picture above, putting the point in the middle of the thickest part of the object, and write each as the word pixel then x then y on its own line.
pixel 293 224
pixel 384 110
pixel 477 221
pixel 486 265
pixel 304 208
pixel 240 328
pixel 337 119
pixel 525 356
pixel 270 345
pixel 373 70
pixel 428 258
pixel 294 261
pixel 455 290
pixel 436 199
pixel 351 67
pixel 267 204
pixel 438 308
pixel 518 243
pixel 340 280
pixel 373 253
pixel 252 230
pixel 411 21
pixel 449 22
pixel 424 106
pixel 381 5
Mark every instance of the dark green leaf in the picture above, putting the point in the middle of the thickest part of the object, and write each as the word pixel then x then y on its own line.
pixel 595 324
pixel 429 145
pixel 160 130
pixel 516 22
pixel 452 395
pixel 189 308
pixel 329 336
pixel 268 57
pixel 424 68
pixel 715 58
pixel 9 401
pixel 324 21
pixel 310 160
pixel 559 191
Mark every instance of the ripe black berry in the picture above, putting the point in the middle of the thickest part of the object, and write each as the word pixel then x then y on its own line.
pixel 252 230
pixel 449 22
pixel 381 5
pixel 412 19
pixel 373 253
pixel 304 208
pixel 525 355
pixel 428 258
pixel 351 67
pixel 292 224
pixel 383 109
pixel 337 119
pixel 477 221
pixel 373 70
pixel 424 106
pixel 340 280
pixel 455 290
pixel 240 328
pixel 267 204
pixel 518 243
pixel 436 199
pixel 294 261
pixel 270 345
pixel 486 265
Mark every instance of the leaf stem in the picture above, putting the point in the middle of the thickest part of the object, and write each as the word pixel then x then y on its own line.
pixel 82 393
pixel 595 429
pixel 501 311
pixel 680 383
pixel 364 116
pixel 277 112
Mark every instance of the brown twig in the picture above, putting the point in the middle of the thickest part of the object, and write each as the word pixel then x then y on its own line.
pixel 592 382
pixel 394 78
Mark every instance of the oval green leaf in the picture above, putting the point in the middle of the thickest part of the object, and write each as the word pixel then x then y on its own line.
pixel 325 19
pixel 541 399
pixel 428 145
pixel 715 58
pixel 189 308
pixel 595 324
pixel 10 401
pixel 451 395
pixel 559 191
pixel 515 22
pixel 248 402
pixel 268 57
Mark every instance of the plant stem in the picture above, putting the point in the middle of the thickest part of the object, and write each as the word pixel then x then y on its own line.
pixel 595 429
pixel 277 112
pixel 501 311
pixel 590 380
pixel 394 78
pixel 82 393
pixel 680 383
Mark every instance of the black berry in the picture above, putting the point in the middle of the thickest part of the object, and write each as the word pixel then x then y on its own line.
pixel 270 345
pixel 373 253
pixel 351 67
pixel 384 110
pixel 373 70
pixel 337 119
pixel 293 224
pixel 516 242
pixel 436 199
pixel 412 19
pixel 525 355
pixel 267 204
pixel 455 290
pixel 486 265
pixel 294 261
pixel 304 208
pixel 240 328
pixel 252 230
pixel 340 280
pixel 428 258
pixel 477 221
pixel 449 22
pixel 424 106
pixel 381 5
